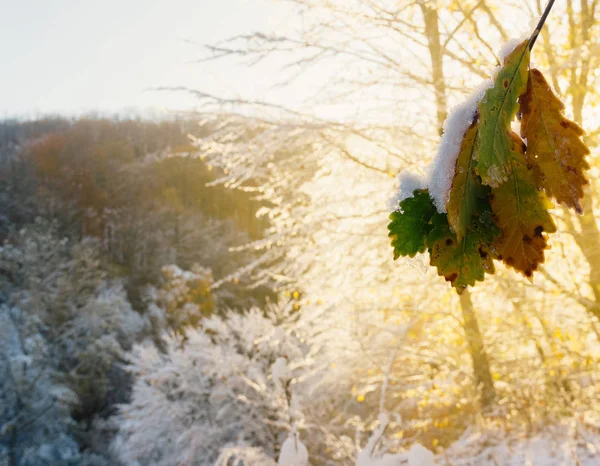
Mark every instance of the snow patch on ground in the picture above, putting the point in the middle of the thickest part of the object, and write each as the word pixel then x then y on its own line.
pixel 418 455
pixel 371 455
pixel 561 445
pixel 293 452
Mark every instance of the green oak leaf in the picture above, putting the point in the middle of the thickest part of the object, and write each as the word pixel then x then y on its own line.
pixel 466 186
pixel 497 109
pixel 410 226
pixel 465 261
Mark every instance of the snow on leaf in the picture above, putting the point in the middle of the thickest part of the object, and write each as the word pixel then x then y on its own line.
pixel 407 184
pixel 496 111
pixel 554 145
pixel 457 124
pixel 410 226
pixel 465 261
pixel 466 186
pixel 486 198
pixel 509 46
pixel 520 210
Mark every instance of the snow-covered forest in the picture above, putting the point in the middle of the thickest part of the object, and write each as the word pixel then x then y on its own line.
pixel 217 287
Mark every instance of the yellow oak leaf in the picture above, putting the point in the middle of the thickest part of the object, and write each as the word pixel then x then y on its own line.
pixel 521 212
pixel 496 112
pixel 554 146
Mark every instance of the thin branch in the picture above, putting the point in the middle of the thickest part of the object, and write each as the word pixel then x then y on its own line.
pixel 494 21
pixel 466 17
pixel 345 152
pixel 540 25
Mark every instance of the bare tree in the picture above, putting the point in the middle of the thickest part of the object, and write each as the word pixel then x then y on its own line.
pixel 384 38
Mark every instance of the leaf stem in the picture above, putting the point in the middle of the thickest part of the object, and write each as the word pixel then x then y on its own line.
pixel 540 25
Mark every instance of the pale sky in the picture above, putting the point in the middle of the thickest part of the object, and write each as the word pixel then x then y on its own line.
pixel 72 57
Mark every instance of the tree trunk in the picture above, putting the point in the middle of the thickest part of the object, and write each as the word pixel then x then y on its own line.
pixel 481 365
pixel 589 238
pixel 589 243
pixel 432 31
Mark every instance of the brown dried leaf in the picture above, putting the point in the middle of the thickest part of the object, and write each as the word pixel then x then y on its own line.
pixel 554 146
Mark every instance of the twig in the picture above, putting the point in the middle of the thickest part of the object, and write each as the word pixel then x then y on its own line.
pixel 540 25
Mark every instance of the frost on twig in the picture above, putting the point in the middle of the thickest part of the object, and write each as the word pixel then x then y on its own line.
pixel 293 452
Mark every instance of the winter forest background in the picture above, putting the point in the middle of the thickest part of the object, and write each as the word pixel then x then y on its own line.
pixel 216 286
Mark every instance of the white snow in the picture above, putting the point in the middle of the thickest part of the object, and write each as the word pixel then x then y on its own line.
pixel 455 126
pixel 293 452
pixel 371 455
pixel 364 459
pixel 568 443
pixel 418 455
pixel 407 184
pixel 508 47
pixel 279 370
pixel 511 44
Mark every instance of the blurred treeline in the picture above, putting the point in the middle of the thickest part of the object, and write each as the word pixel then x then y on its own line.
pixel 134 185
pixel 374 336
pixel 110 234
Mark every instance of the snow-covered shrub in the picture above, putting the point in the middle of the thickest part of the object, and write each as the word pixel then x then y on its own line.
pixel 86 316
pixel 375 452
pixel 293 452
pixel 35 422
pixel 80 316
pixel 49 275
pixel 183 298
pixel 243 456
pixel 197 401
pixel 94 341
